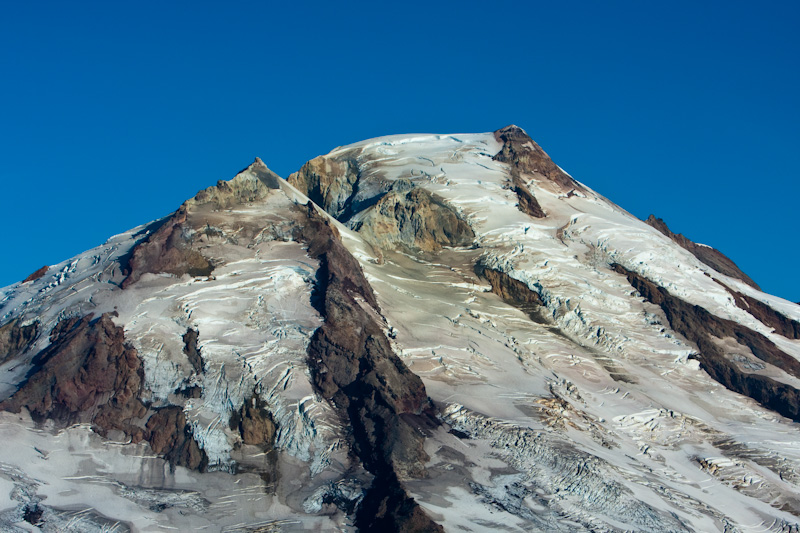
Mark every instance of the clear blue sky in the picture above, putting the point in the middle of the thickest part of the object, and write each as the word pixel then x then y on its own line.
pixel 114 113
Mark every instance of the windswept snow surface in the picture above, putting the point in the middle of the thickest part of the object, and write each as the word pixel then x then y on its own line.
pixel 254 319
pixel 603 381
pixel 593 416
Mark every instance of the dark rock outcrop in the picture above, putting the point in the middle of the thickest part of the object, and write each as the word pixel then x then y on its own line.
pixel 191 349
pixel 16 339
pixel 171 437
pixel 353 366
pixel 513 291
pixel 702 328
pixel 519 152
pixel 36 275
pixel 709 256
pixel 89 374
pixel 522 154
pixel 526 202
pixel 254 422
pixel 413 218
pixel 782 324
pixel 169 251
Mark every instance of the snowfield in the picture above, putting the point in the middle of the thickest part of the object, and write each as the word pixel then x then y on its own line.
pixel 592 415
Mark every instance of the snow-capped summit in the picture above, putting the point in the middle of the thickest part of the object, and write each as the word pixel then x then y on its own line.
pixel 411 333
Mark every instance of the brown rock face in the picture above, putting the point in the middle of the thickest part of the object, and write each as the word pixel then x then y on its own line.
pixel 36 275
pixel 388 214
pixel 414 218
pixel 329 182
pixel 169 435
pixel 702 328
pixel 168 250
pixel 251 184
pixel 710 256
pixel 254 422
pixel 513 291
pixel 527 203
pixel 16 339
pixel 353 366
pixel 172 248
pixel 768 316
pixel 90 374
pixel 87 374
pixel 350 344
pixel 523 154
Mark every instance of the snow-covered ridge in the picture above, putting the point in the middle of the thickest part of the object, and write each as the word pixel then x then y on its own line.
pixel 618 352
pixel 592 412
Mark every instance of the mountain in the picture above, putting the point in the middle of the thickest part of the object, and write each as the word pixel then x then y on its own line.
pixel 410 333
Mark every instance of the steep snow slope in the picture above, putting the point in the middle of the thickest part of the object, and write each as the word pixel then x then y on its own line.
pixel 586 372
pixel 598 377
pixel 251 319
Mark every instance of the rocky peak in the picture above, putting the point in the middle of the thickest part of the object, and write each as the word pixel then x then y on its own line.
pixel 524 155
pixel 37 274
pixel 412 352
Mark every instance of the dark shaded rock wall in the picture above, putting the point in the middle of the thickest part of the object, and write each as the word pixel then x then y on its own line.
pixel 702 328
pixel 353 366
pixel 513 291
pixel 329 182
pixel 191 349
pixel 170 436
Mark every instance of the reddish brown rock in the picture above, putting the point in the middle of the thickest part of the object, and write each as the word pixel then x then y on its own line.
pixel 710 256
pixel 522 153
pixel 513 291
pixel 36 275
pixel 527 203
pixel 169 251
pixel 170 436
pixel 87 374
pixel 173 247
pixel 350 343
